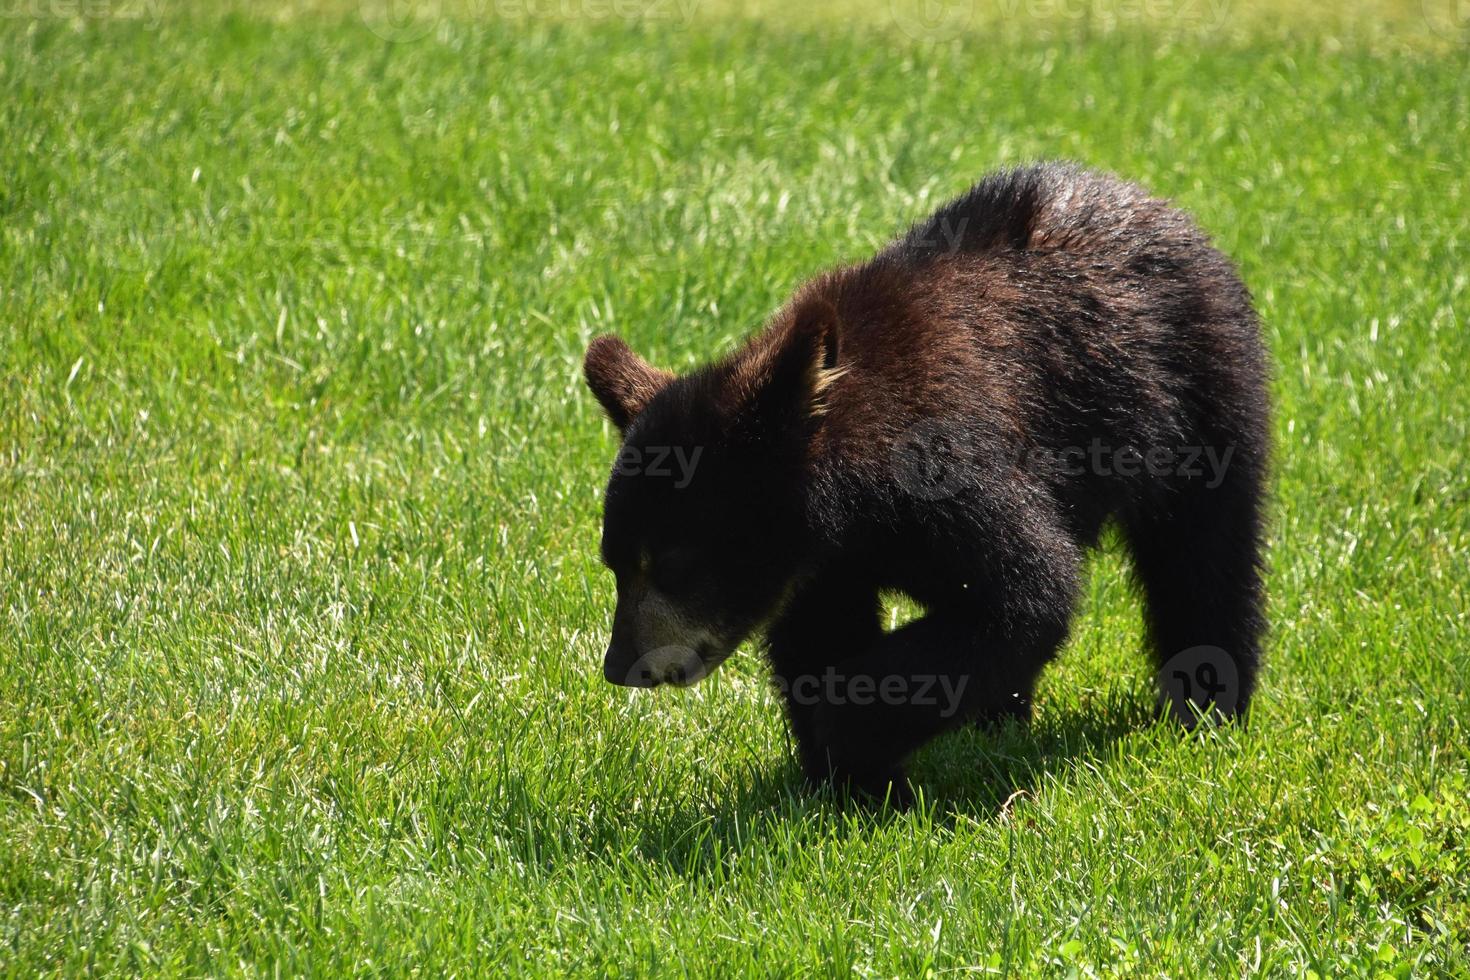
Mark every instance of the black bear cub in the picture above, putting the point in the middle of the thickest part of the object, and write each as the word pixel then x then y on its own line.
pixel 954 419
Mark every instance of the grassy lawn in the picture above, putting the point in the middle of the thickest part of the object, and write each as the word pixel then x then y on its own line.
pixel 300 614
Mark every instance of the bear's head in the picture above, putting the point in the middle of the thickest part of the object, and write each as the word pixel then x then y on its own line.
pixel 706 517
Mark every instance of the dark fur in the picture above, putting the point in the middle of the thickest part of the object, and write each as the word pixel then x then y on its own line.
pixel 1048 307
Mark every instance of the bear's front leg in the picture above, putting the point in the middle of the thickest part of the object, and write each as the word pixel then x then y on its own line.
pixel 917 682
pixel 829 621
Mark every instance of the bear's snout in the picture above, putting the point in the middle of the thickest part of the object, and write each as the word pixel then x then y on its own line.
pixel 622 666
pixel 673 663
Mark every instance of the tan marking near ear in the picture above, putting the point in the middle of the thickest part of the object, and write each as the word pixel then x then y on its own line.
pixel 755 365
pixel 825 378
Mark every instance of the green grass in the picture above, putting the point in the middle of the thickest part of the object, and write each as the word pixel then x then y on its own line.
pixel 300 614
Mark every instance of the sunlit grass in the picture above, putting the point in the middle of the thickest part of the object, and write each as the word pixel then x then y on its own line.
pixel 299 656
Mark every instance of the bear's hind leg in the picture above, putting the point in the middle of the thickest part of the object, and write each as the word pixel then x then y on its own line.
pixel 1197 554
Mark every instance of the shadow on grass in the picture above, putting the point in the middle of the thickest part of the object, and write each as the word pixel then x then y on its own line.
pixel 968 775
pixel 976 770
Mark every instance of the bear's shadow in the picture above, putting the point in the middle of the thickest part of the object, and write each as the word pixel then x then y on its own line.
pixel 969 775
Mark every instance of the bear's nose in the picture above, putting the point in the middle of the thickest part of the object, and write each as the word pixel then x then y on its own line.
pixel 626 670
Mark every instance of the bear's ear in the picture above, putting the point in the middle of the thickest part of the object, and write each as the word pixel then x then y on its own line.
pixel 622 381
pixel 788 379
